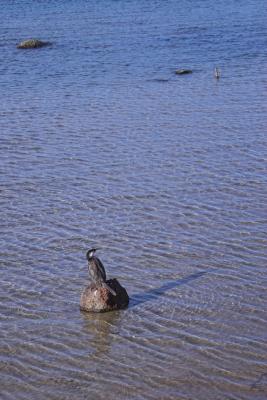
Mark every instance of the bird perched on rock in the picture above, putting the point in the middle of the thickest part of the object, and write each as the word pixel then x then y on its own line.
pixel 97 271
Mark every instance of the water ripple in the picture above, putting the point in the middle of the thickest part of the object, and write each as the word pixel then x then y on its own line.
pixel 103 145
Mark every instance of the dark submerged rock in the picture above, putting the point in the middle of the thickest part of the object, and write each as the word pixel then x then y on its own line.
pixel 183 71
pixel 99 299
pixel 32 44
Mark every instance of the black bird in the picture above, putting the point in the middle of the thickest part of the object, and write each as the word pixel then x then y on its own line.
pixel 97 271
pixel 217 73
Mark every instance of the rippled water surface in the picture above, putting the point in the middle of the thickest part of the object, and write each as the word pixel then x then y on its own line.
pixel 103 145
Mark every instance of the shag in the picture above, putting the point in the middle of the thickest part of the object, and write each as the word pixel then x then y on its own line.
pixel 217 73
pixel 97 271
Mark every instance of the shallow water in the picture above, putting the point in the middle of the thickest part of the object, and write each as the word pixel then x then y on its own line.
pixel 103 145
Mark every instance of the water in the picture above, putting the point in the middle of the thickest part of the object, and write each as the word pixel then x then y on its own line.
pixel 103 145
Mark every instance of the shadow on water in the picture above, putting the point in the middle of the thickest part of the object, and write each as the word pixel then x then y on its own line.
pixel 100 326
pixel 152 294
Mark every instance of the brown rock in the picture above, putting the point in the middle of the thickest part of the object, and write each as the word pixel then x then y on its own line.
pixel 32 44
pixel 99 299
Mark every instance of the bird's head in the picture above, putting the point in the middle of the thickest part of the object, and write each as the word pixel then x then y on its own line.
pixel 90 253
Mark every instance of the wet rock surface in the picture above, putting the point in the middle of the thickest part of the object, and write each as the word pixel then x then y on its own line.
pixel 32 44
pixel 99 299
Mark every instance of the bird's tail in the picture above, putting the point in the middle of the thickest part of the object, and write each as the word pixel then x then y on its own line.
pixel 109 288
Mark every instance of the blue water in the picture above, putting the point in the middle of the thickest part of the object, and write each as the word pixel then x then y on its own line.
pixel 102 144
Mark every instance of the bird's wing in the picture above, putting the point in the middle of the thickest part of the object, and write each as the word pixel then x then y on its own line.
pixel 101 268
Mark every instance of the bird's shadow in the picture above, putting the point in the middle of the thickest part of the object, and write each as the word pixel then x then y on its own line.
pixel 152 294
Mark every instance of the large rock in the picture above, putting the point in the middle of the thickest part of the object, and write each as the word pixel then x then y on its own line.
pixel 99 299
pixel 183 71
pixel 32 44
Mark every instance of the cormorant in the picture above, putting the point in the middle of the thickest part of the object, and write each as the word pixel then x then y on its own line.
pixel 217 73
pixel 97 271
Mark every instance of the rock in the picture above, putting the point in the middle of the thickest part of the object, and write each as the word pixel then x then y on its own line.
pixel 183 71
pixel 99 299
pixel 32 44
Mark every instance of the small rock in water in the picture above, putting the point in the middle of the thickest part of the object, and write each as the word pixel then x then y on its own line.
pixel 99 299
pixel 32 44
pixel 183 71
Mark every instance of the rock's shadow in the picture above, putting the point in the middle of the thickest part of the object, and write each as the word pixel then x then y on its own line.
pixel 152 294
